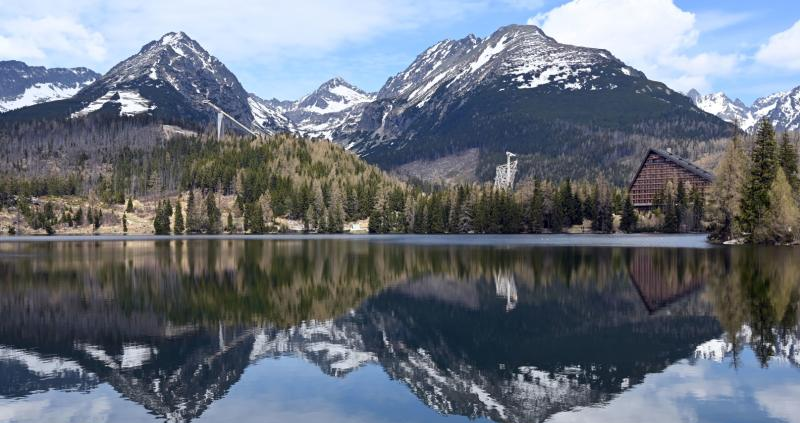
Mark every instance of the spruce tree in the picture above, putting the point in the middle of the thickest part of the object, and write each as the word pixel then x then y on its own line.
pixel 789 162
pixel 178 227
pixel 629 217
pixel 229 225
pixel 336 211
pixel 124 223
pixel 681 204
pixel 536 211
pixel 161 221
pixel 129 207
pixel 764 165
pixel 77 218
pixel 213 215
pixel 98 218
pixel 782 217
pixel 698 210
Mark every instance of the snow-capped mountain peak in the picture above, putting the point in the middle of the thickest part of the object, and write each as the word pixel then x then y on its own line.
pixel 170 77
pixel 782 109
pixel 335 106
pixel 720 105
pixel 333 96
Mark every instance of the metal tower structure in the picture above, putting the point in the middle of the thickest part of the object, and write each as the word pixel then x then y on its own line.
pixel 221 115
pixel 505 173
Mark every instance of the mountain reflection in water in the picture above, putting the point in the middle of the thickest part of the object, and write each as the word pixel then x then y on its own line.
pixel 507 334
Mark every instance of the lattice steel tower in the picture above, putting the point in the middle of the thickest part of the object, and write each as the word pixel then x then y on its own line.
pixel 505 174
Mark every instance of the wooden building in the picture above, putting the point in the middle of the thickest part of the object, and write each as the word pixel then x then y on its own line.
pixel 657 169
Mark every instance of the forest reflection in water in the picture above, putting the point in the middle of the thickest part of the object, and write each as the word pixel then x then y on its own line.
pixel 508 334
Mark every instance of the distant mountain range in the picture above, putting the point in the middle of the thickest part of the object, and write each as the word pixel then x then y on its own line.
pixel 781 108
pixel 22 85
pixel 517 90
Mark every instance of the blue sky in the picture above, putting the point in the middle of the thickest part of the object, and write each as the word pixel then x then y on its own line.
pixel 286 49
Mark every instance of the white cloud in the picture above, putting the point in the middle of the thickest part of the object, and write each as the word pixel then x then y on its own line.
pixel 782 50
pixel 234 30
pixel 781 402
pixel 652 35
pixel 28 38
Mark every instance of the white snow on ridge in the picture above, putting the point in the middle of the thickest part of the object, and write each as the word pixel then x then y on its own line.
pixel 40 93
pixel 131 102
pixel 488 53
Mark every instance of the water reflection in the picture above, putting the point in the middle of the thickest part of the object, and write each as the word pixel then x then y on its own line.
pixel 509 334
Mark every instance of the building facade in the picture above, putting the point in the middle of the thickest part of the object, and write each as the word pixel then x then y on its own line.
pixel 657 169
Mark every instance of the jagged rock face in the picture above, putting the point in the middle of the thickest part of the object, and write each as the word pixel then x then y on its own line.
pixel 171 77
pixel 720 105
pixel 334 107
pixel 782 109
pixel 167 79
pixel 517 89
pixel 22 85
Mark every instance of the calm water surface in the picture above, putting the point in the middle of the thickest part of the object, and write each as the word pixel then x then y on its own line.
pixel 399 329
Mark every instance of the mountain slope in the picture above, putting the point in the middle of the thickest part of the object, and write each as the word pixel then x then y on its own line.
pixel 521 90
pixel 22 85
pixel 167 79
pixel 782 109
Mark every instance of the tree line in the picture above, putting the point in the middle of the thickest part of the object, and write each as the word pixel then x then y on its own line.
pixel 756 195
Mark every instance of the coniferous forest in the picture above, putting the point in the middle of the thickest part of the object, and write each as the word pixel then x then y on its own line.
pixel 198 185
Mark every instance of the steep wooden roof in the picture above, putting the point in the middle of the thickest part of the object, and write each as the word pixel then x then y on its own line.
pixel 677 160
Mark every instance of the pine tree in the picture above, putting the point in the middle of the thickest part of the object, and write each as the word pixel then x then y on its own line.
pixel 764 165
pixel 375 225
pixel 229 225
pixel 409 209
pixel 681 205
pixel 789 162
pixel 254 218
pixel 161 221
pixel 48 218
pixel 265 203
pixel 124 223
pixel 670 209
pixel 782 217
pixel 629 217
pixel 725 194
pixel 178 227
pixel 194 215
pixel 536 213
pixel 77 218
pixel 309 220
pixel 436 223
pixel 603 219
pixel 698 210
pixel 336 211
pixel 129 207
pixel 213 215
pixel 319 208
pixel 98 218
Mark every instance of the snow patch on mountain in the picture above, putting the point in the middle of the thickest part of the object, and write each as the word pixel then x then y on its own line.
pixel 22 85
pixel 130 101
pixel 40 93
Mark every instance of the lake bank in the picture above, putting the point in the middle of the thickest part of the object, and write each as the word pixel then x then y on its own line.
pixel 500 240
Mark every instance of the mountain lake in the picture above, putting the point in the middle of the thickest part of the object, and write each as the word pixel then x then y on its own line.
pixel 557 328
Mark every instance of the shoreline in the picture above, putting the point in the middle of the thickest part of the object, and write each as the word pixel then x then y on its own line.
pixel 649 240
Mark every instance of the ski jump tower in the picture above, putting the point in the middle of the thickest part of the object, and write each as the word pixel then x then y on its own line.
pixel 505 173
pixel 221 115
